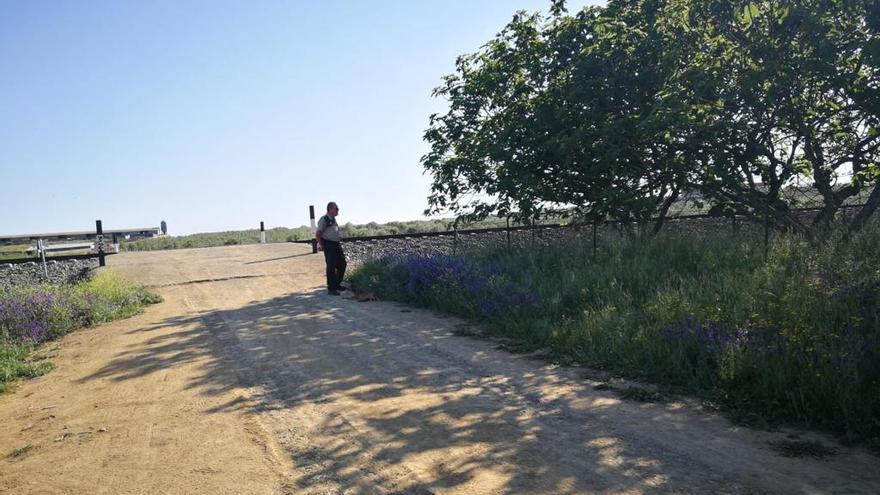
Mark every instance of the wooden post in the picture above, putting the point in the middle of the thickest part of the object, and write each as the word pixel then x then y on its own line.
pixel 99 241
pixel 314 228
pixel 262 233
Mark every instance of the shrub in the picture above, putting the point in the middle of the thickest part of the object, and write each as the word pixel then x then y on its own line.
pixel 32 315
pixel 795 336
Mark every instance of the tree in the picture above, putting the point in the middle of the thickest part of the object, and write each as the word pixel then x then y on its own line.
pixel 615 111
pixel 774 89
pixel 479 158
pixel 548 116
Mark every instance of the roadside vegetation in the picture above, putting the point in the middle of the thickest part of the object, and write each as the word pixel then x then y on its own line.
pixel 622 110
pixel 33 315
pixel 13 251
pixel 282 234
pixel 632 111
pixel 213 239
pixel 793 336
pixel 20 251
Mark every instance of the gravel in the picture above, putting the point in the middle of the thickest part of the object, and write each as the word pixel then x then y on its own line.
pixel 60 272
pixel 446 244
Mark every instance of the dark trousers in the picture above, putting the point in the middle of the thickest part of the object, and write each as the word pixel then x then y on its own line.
pixel 335 259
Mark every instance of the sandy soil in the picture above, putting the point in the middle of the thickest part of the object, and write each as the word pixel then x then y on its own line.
pixel 250 379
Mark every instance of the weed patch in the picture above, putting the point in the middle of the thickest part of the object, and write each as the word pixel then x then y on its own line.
pixel 640 395
pixel 792 336
pixel 30 316
pixel 21 452
pixel 801 449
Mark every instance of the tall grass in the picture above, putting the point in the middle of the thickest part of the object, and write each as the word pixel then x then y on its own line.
pixel 30 316
pixel 793 337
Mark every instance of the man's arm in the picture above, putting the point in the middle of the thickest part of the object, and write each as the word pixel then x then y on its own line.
pixel 319 236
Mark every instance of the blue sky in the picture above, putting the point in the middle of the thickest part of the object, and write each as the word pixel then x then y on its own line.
pixel 216 115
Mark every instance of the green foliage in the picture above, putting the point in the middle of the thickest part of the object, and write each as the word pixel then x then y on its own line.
pixel 13 251
pixel 795 336
pixel 22 451
pixel 15 364
pixel 35 314
pixel 280 234
pixel 619 111
pixel 776 94
pixel 112 297
pixel 213 239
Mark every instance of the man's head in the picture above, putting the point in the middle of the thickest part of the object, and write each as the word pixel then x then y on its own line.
pixel 332 209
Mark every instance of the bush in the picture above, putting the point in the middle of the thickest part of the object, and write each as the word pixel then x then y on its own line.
pixel 32 315
pixel 15 364
pixel 795 336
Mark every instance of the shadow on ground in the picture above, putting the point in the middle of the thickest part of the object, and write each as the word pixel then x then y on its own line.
pixel 387 390
pixel 278 259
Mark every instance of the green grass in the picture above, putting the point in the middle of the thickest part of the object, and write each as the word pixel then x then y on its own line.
pixel 639 394
pixel 51 311
pixel 19 251
pixel 213 239
pixel 282 234
pixel 802 448
pixel 19 452
pixel 15 363
pixel 13 251
pixel 13 248
pixel 794 337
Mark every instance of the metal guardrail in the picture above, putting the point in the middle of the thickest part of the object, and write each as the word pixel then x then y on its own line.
pixel 80 235
pixel 66 257
pixel 43 246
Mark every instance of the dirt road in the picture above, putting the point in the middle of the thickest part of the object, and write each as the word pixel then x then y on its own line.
pixel 250 379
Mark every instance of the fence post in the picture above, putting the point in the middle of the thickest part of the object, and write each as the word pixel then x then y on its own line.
pixel 99 241
pixel 595 236
pixel 42 249
pixel 314 228
pixel 262 233
pixel 766 232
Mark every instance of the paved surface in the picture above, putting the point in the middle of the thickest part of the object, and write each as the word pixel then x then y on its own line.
pixel 250 379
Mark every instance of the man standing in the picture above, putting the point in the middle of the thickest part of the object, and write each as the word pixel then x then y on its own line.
pixel 330 240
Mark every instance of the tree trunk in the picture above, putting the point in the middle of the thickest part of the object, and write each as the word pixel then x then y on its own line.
pixel 865 213
pixel 664 210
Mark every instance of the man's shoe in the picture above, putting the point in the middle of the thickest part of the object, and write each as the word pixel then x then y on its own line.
pixel 333 292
